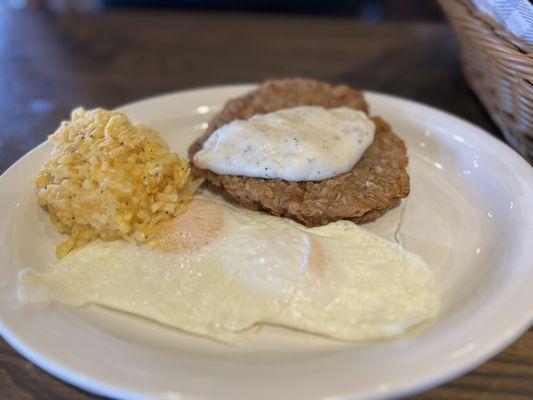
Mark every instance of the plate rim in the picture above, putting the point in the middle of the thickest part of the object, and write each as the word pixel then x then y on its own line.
pixel 95 386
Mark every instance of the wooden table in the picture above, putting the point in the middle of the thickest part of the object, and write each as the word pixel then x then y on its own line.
pixel 48 65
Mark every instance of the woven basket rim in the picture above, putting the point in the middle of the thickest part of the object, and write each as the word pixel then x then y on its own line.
pixel 498 66
pixel 517 44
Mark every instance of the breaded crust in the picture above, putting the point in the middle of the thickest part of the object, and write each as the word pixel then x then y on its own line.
pixel 373 186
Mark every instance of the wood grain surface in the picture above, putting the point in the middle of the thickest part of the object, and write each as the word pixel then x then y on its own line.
pixel 51 64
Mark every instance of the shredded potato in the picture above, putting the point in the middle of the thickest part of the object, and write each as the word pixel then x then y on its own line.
pixel 110 179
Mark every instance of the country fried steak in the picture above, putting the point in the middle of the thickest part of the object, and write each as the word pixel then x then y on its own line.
pixel 373 186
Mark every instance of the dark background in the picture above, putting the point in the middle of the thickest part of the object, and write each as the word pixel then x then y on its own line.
pixel 366 10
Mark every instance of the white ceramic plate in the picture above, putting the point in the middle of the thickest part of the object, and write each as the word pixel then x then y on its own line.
pixel 469 215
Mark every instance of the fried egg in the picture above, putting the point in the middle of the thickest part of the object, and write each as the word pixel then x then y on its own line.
pixel 358 286
pixel 217 270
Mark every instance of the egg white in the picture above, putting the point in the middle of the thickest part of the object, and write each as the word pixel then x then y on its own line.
pixel 358 286
pixel 217 270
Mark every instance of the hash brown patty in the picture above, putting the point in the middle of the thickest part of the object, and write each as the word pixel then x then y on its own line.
pixel 373 186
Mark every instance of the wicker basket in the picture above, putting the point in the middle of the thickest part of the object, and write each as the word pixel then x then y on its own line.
pixel 499 68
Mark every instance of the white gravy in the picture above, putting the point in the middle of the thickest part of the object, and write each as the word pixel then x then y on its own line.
pixel 307 143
